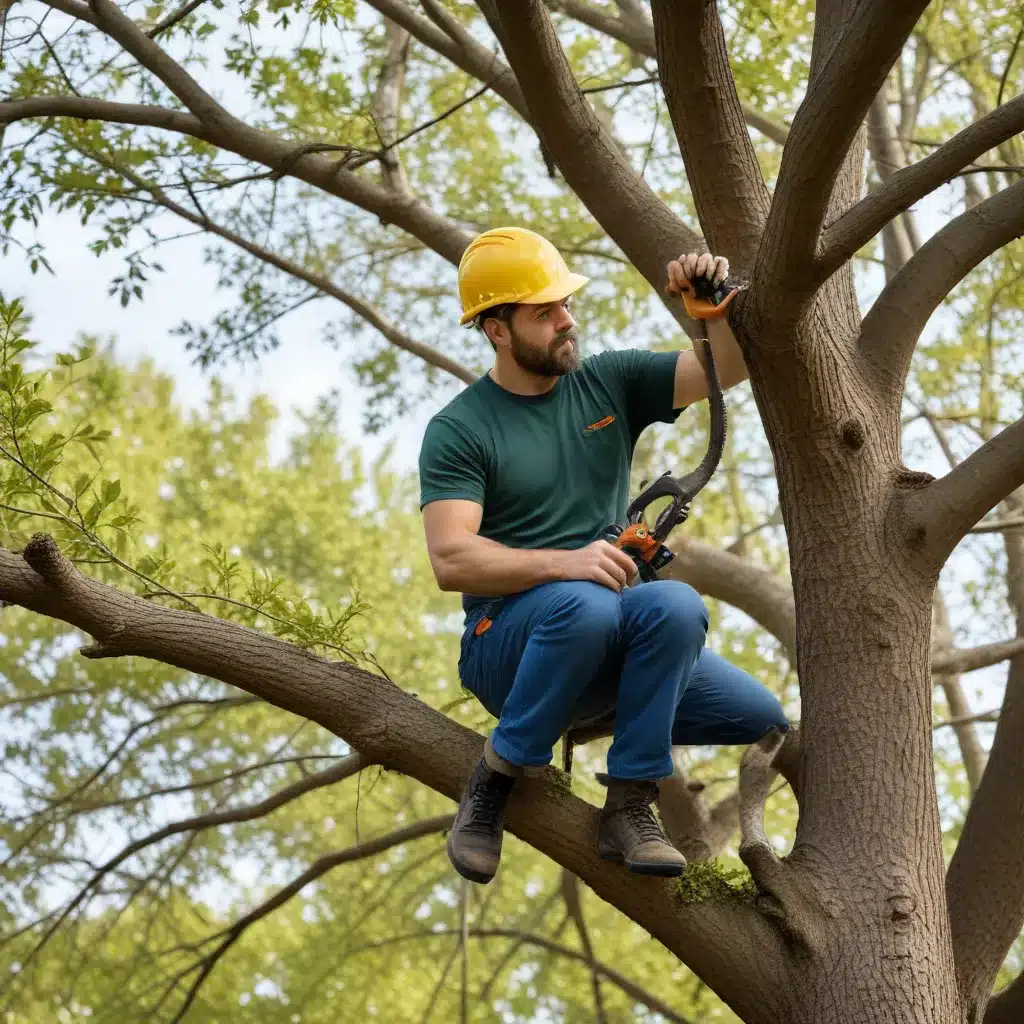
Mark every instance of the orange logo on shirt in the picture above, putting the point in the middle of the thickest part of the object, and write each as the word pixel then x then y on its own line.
pixel 599 425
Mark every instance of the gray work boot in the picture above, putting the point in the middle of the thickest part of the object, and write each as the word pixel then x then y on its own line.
pixel 474 842
pixel 628 830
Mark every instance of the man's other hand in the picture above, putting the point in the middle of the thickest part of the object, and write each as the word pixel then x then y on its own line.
pixel 599 562
pixel 682 271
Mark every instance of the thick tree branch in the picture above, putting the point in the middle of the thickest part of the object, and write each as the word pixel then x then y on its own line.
pixel 984 883
pixel 729 945
pixel 854 47
pixel 970 659
pixel 109 18
pixel 940 515
pixel 905 187
pixel 895 321
pixel 647 231
pixel 731 198
pixel 304 162
pixel 758 592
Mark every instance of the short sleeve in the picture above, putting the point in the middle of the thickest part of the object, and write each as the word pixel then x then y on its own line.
pixel 648 384
pixel 451 463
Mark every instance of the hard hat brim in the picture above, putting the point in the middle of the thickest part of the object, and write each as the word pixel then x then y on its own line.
pixel 553 293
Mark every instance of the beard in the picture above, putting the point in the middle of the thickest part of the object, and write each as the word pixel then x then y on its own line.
pixel 558 359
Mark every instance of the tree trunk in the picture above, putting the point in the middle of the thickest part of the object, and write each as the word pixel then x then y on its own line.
pixel 862 893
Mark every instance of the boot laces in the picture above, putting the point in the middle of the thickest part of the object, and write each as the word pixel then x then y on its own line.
pixel 639 814
pixel 487 797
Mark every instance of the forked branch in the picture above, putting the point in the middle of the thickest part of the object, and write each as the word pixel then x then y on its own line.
pixel 854 48
pixel 858 226
pixel 894 323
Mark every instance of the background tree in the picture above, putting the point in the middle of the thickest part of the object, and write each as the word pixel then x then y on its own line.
pixel 867 538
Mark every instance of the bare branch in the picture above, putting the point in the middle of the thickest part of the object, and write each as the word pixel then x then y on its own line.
pixel 439 233
pixel 940 514
pixel 905 187
pixel 638 221
pixel 320 867
pixel 974 658
pixel 461 49
pixel 387 105
pixel 373 316
pixel 854 47
pixel 574 906
pixel 638 34
pixel 999 525
pixel 728 944
pixel 982 716
pixel 895 321
pixel 731 198
pixel 641 995
pixel 948 671
pixel 342 770
pixel 898 236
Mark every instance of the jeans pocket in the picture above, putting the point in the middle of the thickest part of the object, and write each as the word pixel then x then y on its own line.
pixel 478 622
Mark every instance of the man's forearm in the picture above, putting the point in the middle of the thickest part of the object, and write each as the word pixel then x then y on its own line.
pixel 728 356
pixel 485 568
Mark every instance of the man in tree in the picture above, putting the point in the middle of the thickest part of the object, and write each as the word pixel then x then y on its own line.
pixel 520 475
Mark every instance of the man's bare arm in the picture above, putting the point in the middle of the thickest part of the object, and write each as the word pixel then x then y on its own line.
pixel 691 385
pixel 464 561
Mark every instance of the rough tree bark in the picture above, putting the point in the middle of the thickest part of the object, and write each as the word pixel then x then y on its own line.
pixel 859 923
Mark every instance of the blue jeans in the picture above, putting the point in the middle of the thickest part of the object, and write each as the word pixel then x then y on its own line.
pixel 563 652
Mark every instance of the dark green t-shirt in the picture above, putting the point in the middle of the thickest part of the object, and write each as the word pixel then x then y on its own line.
pixel 552 470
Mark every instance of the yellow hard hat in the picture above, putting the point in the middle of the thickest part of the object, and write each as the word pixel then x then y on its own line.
pixel 512 265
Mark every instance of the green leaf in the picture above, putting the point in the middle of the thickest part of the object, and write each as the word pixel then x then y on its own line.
pixel 111 491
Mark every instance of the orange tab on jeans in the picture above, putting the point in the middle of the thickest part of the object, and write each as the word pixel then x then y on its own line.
pixel 482 626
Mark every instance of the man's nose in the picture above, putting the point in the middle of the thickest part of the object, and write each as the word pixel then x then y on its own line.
pixel 564 320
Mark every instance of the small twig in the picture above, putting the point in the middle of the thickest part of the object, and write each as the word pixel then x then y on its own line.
pixel 174 17
pixel 1009 64
pixel 628 84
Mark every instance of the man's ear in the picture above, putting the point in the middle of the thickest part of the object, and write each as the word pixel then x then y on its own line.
pixel 496 330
